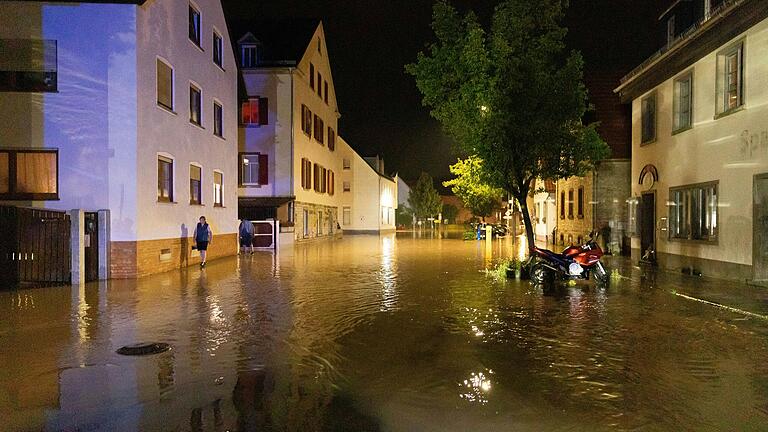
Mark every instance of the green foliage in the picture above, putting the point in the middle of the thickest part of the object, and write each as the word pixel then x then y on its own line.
pixel 449 212
pixel 499 272
pixel 424 200
pixel 511 96
pixel 403 215
pixel 478 196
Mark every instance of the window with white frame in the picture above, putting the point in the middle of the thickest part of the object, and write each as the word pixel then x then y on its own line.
pixel 248 56
pixel 195 185
pixel 683 102
pixel 693 212
pixel 218 119
pixel 218 50
pixel 730 78
pixel 195 105
pixel 648 117
pixel 250 167
pixel 218 189
pixel 346 164
pixel 194 25
pixel 164 179
pixel 346 215
pixel 347 187
pixel 164 84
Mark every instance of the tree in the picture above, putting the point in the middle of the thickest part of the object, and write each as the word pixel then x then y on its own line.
pixel 511 96
pixel 478 196
pixel 423 199
pixel 449 213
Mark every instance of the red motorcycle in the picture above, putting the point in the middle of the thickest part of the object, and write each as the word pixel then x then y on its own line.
pixel 575 262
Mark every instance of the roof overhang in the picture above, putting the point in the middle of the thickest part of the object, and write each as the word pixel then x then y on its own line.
pixel 270 201
pixel 707 37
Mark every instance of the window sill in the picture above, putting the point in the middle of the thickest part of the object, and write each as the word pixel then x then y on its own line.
pixel 218 206
pixel 29 197
pixel 196 124
pixel 166 202
pixel 220 137
pixel 250 125
pixel 730 111
pixel 196 45
pixel 220 67
pixel 197 204
pixel 581 216
pixel 166 109
pixel 681 130
pixel 649 142
pixel 251 185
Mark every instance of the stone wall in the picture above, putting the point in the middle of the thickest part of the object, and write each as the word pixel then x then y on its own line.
pixel 327 227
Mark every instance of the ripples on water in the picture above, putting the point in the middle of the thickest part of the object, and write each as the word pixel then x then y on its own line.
pixel 378 333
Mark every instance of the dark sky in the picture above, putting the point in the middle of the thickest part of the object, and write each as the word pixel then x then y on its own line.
pixel 369 42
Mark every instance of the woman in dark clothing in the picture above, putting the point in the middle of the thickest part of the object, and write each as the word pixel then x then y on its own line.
pixel 203 237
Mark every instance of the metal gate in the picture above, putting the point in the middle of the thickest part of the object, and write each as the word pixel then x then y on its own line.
pixel 91 240
pixel 265 234
pixel 34 247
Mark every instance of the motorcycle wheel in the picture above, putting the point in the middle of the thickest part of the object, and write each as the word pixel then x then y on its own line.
pixel 541 275
pixel 600 274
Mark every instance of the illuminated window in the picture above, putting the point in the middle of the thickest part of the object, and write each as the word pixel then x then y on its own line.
pixel 730 78
pixel 570 204
pixel 693 212
pixel 195 105
pixel 254 169
pixel 218 189
pixel 255 112
pixel 29 174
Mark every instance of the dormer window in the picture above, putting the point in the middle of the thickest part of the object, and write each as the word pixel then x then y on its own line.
pixel 248 56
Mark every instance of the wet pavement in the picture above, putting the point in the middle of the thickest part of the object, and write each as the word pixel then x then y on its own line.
pixel 385 334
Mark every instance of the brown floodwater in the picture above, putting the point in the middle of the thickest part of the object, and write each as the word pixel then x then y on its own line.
pixel 386 333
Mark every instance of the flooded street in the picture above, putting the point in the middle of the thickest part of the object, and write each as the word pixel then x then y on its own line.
pixel 382 334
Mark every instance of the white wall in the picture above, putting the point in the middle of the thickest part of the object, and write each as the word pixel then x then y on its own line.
pixel 162 30
pixel 275 138
pixel 92 119
pixel 731 149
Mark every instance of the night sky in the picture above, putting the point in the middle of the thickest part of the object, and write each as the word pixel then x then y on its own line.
pixel 369 42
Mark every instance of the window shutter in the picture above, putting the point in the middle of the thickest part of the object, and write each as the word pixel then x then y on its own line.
pixel 263 170
pixel 263 111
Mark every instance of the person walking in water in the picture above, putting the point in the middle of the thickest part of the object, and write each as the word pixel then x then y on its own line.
pixel 246 235
pixel 203 237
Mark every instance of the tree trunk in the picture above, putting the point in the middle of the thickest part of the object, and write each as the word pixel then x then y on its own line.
pixel 527 221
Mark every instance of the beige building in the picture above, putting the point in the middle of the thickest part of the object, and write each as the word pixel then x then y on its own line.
pixel 134 118
pixel 700 142
pixel 292 160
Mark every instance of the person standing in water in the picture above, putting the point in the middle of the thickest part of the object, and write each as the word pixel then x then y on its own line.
pixel 203 237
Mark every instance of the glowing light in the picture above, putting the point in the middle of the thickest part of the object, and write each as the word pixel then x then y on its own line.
pixel 475 389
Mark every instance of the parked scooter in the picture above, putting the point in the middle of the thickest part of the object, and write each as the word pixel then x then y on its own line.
pixel 575 262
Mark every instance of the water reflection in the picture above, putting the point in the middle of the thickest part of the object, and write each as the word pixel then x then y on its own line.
pixel 379 333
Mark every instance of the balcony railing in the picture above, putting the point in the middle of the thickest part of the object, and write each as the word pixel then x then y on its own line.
pixel 28 65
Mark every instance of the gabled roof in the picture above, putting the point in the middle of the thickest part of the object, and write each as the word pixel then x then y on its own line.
pixel 282 42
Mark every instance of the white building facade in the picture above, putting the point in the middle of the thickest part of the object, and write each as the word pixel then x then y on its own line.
pixel 700 144
pixel 369 197
pixel 136 116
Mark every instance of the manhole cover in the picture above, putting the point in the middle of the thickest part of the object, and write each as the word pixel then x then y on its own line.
pixel 140 349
